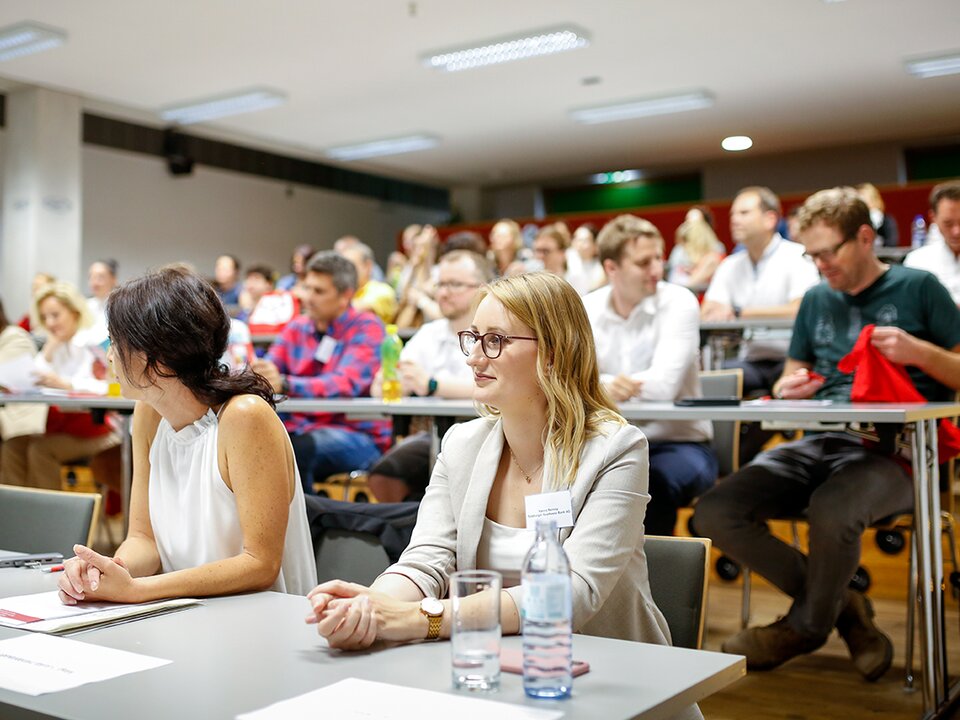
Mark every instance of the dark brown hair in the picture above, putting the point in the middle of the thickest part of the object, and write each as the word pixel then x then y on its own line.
pixel 944 191
pixel 175 318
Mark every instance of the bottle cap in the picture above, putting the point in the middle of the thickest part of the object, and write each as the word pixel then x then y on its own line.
pixel 391 329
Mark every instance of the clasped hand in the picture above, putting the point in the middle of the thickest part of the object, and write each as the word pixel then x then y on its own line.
pixel 91 576
pixel 353 617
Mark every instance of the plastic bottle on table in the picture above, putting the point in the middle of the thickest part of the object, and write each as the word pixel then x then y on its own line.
pixel 547 616
pixel 389 358
pixel 918 232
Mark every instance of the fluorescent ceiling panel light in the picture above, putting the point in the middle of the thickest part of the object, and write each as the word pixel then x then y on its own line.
pixel 27 38
pixel 736 143
pixel 643 108
pixel 223 105
pixel 507 49
pixel 390 146
pixel 934 66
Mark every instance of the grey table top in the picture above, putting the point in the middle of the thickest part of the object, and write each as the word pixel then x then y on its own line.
pixel 746 324
pixel 237 654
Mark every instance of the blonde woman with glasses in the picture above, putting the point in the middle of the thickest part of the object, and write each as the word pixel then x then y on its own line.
pixel 546 426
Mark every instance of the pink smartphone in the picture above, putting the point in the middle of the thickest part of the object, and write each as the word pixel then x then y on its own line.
pixel 511 660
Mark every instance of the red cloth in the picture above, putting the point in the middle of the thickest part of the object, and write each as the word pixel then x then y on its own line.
pixel 78 424
pixel 877 379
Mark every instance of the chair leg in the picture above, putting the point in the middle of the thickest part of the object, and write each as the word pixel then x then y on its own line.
pixel 796 534
pixel 745 600
pixel 911 613
pixel 948 526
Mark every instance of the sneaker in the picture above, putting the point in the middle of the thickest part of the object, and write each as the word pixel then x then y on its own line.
pixel 767 647
pixel 870 649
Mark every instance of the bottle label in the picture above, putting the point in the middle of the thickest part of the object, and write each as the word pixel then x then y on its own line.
pixel 547 598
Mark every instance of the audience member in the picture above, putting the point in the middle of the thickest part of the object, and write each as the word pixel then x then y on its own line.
pixel 371 294
pixel 547 426
pixel 464 240
pixel 18 418
pixel 101 279
pixel 342 244
pixel 701 212
pixel 766 281
pixel 695 256
pixel 884 225
pixel 216 506
pixel 506 241
pixel 550 248
pixel 584 269
pixel 64 363
pixel 942 257
pixel 647 334
pixel 331 351
pixel 431 364
pixel 842 482
pixel 226 279
pixel 298 269
pixel 416 285
pixel 30 322
pixel 257 283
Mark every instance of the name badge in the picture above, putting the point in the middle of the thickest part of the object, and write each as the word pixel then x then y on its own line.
pixel 325 349
pixel 555 505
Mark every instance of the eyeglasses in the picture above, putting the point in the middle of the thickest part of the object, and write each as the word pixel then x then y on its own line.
pixel 491 343
pixel 455 285
pixel 828 254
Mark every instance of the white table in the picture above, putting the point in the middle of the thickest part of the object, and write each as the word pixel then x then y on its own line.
pixel 241 653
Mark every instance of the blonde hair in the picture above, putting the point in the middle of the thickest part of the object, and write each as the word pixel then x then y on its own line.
pixel 68 296
pixel 698 239
pixel 567 369
pixel 513 228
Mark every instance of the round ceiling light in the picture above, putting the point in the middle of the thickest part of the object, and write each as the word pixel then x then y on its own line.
pixel 736 143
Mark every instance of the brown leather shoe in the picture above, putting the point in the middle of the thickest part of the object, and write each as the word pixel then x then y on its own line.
pixel 870 649
pixel 767 647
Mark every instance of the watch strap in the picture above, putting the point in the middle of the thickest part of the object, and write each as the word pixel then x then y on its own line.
pixel 433 626
pixel 431 386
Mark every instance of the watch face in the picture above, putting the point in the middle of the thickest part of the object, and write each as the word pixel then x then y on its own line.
pixel 431 606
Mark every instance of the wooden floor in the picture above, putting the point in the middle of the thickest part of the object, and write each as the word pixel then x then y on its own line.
pixel 822 685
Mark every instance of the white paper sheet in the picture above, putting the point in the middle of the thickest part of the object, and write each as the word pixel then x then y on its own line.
pixel 355 699
pixel 39 664
pixel 43 612
pixel 17 375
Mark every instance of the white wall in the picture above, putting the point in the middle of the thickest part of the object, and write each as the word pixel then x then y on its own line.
pixel 137 213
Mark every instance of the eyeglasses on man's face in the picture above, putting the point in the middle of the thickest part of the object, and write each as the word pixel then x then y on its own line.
pixel 455 285
pixel 491 343
pixel 828 254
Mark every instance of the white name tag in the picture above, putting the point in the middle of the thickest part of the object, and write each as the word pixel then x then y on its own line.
pixel 555 505
pixel 325 349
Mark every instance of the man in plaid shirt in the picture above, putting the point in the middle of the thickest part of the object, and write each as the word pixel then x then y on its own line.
pixel 332 351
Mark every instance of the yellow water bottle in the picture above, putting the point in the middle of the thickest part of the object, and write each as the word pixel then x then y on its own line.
pixel 389 359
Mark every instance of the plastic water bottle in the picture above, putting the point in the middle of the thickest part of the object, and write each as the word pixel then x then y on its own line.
pixel 918 232
pixel 389 358
pixel 547 617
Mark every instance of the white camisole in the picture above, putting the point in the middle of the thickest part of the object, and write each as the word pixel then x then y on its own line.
pixel 194 514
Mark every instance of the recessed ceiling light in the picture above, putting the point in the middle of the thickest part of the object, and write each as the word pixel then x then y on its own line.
pixel 736 143
pixel 219 106
pixel 390 146
pixel 507 49
pixel 642 108
pixel 934 66
pixel 27 38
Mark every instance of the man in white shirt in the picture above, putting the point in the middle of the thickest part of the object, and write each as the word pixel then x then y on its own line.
pixel 101 279
pixel 942 257
pixel 766 281
pixel 647 334
pixel 432 365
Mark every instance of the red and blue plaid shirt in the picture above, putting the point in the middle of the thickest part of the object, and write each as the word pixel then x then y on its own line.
pixel 347 372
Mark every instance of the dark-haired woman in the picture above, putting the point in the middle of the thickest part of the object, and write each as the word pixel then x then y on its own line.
pixel 216 506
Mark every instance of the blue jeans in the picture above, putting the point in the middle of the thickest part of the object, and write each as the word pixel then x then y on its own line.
pixel 679 472
pixel 328 451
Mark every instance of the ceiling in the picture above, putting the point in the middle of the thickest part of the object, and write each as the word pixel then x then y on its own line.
pixel 793 74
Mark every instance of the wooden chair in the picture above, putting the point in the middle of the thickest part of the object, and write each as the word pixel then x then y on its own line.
pixel 34 520
pixel 679 575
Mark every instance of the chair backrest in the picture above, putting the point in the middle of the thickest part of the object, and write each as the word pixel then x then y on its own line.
pixel 34 520
pixel 350 555
pixel 726 434
pixel 678 571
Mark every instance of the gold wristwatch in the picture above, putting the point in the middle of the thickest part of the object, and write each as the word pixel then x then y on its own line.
pixel 433 610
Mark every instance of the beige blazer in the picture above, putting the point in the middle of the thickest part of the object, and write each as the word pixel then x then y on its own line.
pixel 19 419
pixel 611 591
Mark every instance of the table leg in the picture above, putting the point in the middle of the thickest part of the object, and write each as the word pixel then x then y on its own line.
pixel 126 467
pixel 926 511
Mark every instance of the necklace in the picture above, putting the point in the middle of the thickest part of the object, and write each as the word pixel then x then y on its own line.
pixel 523 472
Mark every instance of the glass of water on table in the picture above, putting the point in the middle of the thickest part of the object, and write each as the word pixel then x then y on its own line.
pixel 475 631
